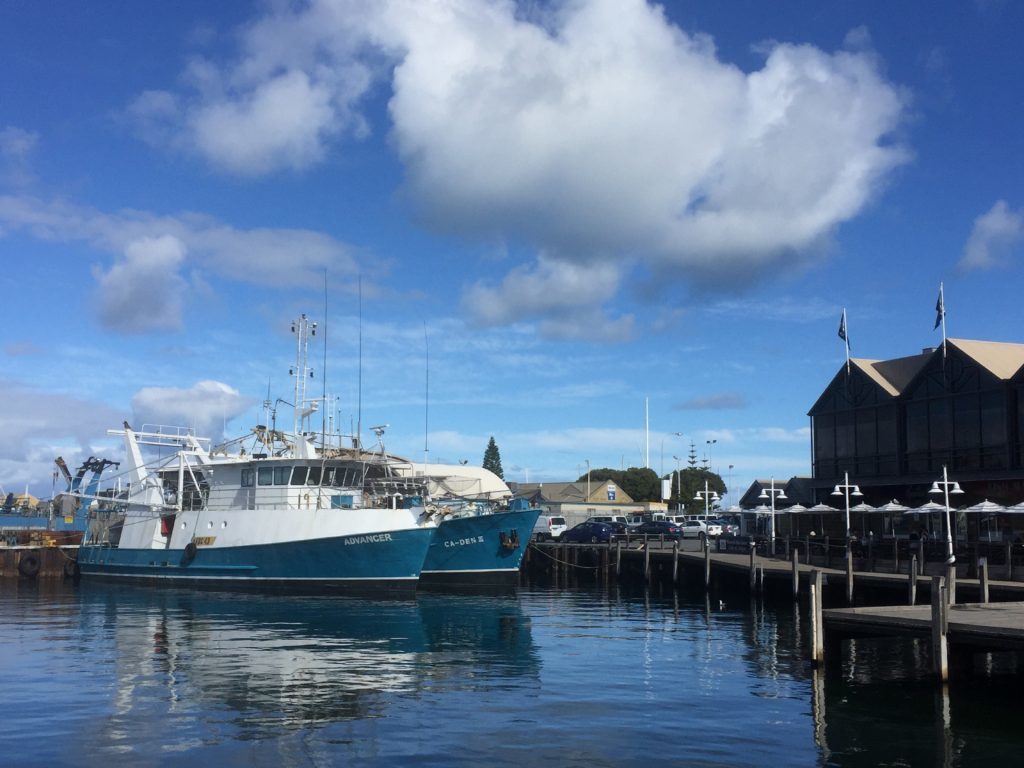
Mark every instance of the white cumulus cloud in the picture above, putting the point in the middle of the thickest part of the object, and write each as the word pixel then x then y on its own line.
pixel 205 407
pixel 597 130
pixel 994 234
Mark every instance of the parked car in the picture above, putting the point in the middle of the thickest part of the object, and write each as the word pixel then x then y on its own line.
pixel 729 528
pixel 548 527
pixel 607 519
pixel 700 529
pixel 588 532
pixel 664 528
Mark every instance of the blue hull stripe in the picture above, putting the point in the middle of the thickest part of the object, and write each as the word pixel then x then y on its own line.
pixel 472 545
pixel 398 557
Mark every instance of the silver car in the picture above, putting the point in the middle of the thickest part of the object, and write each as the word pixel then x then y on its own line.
pixel 699 529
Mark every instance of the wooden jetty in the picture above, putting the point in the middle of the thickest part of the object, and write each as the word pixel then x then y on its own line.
pixel 665 560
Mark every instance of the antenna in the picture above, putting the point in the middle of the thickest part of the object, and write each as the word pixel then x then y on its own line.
pixel 359 405
pixel 323 376
pixel 426 401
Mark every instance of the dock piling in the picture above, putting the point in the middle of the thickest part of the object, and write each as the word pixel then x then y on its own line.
pixel 796 573
pixel 817 624
pixel 951 583
pixel 707 564
pixel 983 578
pixel 940 625
pixel 618 556
pixel 753 566
pixel 675 561
pixel 849 576
pixel 912 581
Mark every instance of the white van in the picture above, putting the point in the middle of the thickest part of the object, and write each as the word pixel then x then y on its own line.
pixel 608 519
pixel 548 527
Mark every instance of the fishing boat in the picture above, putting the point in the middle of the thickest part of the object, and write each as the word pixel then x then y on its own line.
pixel 290 519
pixel 481 532
pixel 269 510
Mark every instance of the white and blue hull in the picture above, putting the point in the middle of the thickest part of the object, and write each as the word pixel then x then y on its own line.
pixel 367 562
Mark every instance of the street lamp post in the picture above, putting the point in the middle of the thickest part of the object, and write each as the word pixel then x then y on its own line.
pixel 710 443
pixel 946 486
pixel 847 490
pixel 672 434
pixel 707 496
pixel 772 493
pixel 679 483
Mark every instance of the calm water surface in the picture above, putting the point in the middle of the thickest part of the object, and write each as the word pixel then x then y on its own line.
pixel 103 675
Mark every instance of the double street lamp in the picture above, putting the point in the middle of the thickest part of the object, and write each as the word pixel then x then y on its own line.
pixel 707 496
pixel 772 493
pixel 946 486
pixel 847 490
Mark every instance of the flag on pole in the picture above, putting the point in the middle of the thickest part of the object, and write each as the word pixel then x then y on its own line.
pixel 940 309
pixel 846 338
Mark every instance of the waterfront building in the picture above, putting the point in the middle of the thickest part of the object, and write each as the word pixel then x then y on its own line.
pixel 893 425
pixel 579 500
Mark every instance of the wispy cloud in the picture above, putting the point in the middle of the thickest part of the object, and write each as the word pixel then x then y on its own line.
pixel 16 149
pixel 718 402
pixel 155 257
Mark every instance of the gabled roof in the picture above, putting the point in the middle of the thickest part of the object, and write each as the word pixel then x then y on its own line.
pixel 571 492
pixel 897 374
pixel 1002 359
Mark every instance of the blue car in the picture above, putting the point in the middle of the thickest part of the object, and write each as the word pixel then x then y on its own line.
pixel 664 528
pixel 590 533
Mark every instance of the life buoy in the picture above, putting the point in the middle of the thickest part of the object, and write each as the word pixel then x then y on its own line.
pixel 71 569
pixel 189 554
pixel 29 564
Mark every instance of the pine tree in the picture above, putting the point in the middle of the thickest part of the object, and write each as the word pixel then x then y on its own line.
pixel 692 457
pixel 492 458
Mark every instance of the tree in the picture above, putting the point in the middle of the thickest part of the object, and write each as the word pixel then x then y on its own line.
pixel 492 458
pixel 639 483
pixel 688 482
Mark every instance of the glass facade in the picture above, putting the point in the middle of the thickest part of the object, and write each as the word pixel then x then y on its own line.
pixel 954 412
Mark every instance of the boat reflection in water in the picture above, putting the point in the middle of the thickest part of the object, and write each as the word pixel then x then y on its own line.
pixel 204 668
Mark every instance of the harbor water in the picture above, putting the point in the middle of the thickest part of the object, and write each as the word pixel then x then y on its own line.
pixel 93 674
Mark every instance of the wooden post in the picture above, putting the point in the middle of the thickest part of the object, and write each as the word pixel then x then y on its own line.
pixel 828 553
pixel 753 566
pixel 951 583
pixel 647 562
pixel 849 576
pixel 675 561
pixel 796 573
pixel 787 547
pixel 940 609
pixel 983 578
pixel 871 552
pixel 920 555
pixel 817 625
pixel 707 563
pixel 912 581
pixel 618 556
pixel 895 555
pixel 1009 561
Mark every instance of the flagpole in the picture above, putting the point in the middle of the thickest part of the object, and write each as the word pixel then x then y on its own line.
pixel 942 303
pixel 846 340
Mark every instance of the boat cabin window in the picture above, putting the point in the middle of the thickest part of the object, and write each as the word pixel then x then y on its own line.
pixel 299 475
pixel 314 476
pixel 281 475
pixel 328 476
pixel 248 478
pixel 266 476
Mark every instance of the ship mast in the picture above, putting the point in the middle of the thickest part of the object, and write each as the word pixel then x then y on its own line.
pixel 303 329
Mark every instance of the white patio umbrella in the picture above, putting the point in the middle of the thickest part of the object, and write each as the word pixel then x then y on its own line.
pixel 986 508
pixel 1016 509
pixel 822 509
pixel 925 509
